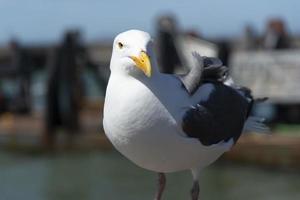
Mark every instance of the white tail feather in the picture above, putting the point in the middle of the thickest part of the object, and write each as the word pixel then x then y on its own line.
pixel 229 82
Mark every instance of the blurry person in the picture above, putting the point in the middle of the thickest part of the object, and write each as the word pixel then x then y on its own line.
pixel 64 90
pixel 3 101
pixel 249 39
pixel 223 51
pixel 276 36
pixel 22 68
pixel 166 37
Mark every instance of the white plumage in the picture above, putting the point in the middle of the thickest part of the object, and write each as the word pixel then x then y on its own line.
pixel 145 125
pixel 144 109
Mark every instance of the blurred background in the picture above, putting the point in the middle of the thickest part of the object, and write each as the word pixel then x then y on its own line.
pixel 54 67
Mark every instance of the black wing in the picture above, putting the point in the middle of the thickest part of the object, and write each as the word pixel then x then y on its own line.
pixel 219 115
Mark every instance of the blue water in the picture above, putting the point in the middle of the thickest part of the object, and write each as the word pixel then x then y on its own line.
pixel 107 175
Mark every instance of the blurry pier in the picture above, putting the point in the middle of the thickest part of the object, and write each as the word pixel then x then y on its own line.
pixel 274 150
pixel 69 79
pixel 24 133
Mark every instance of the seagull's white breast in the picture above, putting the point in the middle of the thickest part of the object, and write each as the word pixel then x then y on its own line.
pixel 143 130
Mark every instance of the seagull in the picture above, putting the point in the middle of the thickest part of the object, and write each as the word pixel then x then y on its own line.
pixel 166 122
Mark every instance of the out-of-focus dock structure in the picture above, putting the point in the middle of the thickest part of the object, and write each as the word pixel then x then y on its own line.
pixel 24 125
pixel 24 92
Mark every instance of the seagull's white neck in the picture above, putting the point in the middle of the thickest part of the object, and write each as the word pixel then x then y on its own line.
pixel 164 87
pixel 167 89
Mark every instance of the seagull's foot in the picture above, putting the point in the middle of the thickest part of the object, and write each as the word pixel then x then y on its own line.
pixel 195 191
pixel 161 186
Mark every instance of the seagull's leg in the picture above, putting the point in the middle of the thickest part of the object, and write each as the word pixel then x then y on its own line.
pixel 195 190
pixel 161 186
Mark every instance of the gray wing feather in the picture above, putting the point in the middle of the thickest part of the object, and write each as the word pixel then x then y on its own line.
pixel 204 68
pixel 192 79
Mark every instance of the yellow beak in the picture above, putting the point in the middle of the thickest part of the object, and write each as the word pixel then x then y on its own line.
pixel 143 63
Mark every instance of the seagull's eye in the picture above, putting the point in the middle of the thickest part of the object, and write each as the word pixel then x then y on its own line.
pixel 120 45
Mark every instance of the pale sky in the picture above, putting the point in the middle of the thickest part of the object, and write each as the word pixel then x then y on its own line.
pixel 45 20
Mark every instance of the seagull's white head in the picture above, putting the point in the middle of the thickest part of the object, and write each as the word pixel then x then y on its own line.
pixel 132 53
